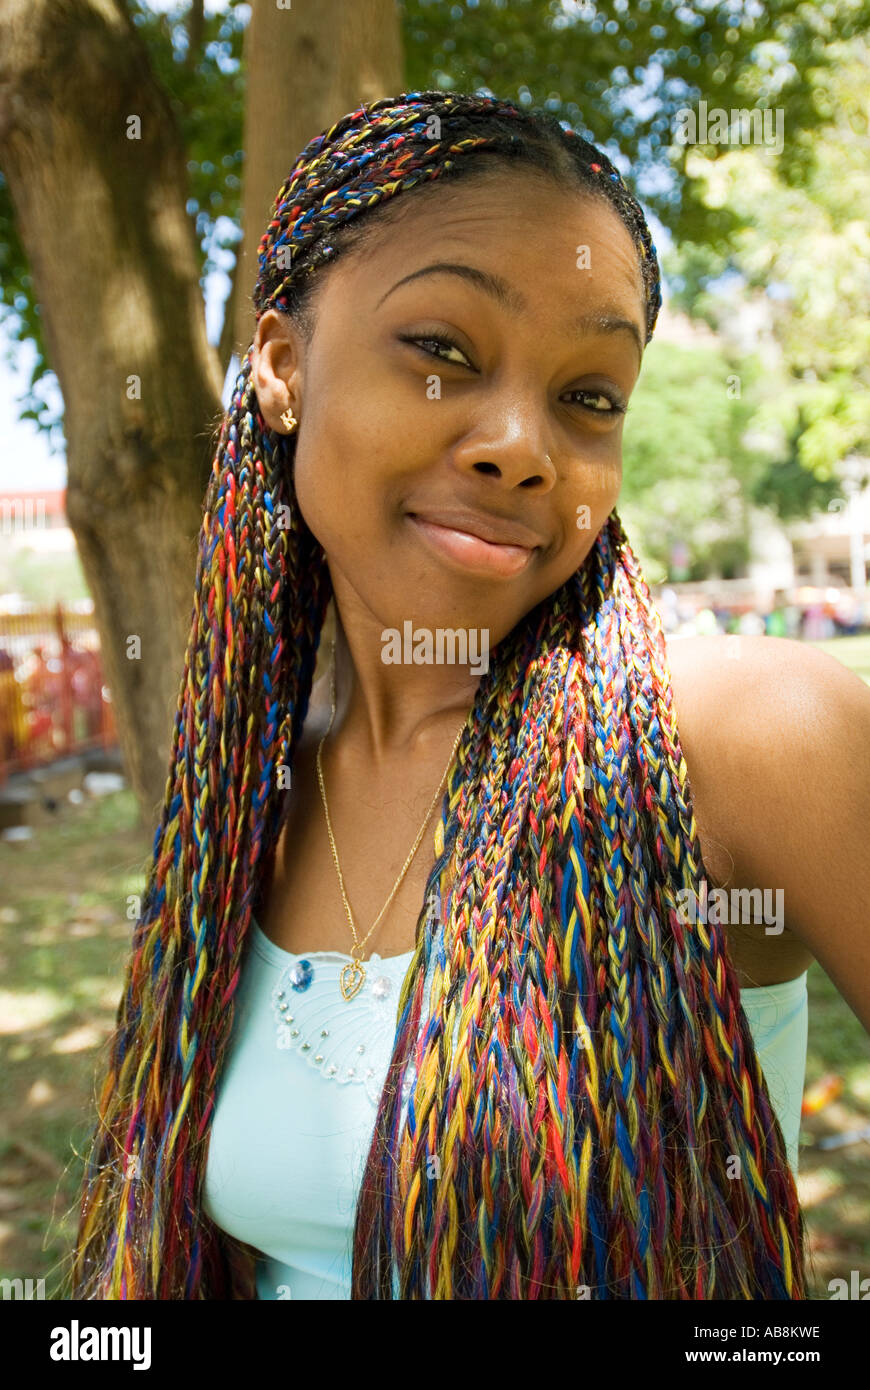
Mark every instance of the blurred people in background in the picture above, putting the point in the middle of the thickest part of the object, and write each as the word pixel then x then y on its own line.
pixel 13 720
pixel 705 623
pixel 817 625
pixel 847 614
pixel 776 621
pixel 811 615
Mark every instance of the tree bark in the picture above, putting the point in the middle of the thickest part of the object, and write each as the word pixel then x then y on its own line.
pixel 307 66
pixel 116 268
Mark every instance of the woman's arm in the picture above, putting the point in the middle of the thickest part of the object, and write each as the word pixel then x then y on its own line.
pixel 787 729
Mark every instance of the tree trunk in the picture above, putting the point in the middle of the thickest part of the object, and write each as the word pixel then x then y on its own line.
pixel 97 175
pixel 307 66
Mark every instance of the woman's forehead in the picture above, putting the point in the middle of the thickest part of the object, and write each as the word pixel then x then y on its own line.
pixel 551 237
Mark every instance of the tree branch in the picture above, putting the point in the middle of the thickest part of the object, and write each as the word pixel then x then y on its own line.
pixel 227 343
pixel 195 30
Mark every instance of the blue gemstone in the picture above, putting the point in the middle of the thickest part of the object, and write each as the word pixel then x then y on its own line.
pixel 301 974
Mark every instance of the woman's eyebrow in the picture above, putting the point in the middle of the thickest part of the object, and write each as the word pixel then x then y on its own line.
pixel 493 285
pixel 602 320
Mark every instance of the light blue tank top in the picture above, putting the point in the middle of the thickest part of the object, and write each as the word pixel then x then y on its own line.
pixel 297 1099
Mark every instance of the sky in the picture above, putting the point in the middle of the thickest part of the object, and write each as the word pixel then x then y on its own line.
pixel 25 459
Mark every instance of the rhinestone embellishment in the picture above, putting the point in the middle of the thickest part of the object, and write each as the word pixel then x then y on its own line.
pixel 300 975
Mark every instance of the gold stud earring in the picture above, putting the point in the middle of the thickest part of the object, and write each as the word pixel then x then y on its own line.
pixel 288 419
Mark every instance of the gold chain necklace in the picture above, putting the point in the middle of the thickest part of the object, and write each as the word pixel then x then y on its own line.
pixel 353 974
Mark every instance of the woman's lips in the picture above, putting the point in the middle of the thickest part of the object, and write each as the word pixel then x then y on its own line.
pixel 471 552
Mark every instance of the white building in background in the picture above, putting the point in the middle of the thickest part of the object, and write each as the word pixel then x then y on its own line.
pixel 35 520
pixel 830 549
pixel 834 547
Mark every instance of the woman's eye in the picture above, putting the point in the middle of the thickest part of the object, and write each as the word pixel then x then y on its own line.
pixel 601 404
pixel 441 342
pixel 596 402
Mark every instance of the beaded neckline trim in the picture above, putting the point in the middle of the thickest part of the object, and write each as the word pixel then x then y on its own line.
pixel 347 1041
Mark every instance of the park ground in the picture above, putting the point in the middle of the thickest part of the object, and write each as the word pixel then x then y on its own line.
pixel 63 939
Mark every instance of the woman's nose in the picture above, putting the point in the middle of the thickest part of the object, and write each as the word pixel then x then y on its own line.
pixel 512 445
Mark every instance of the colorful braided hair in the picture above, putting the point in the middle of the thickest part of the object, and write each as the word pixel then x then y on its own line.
pixel 584 1074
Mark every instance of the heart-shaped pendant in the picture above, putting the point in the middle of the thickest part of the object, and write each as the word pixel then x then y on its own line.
pixel 351 978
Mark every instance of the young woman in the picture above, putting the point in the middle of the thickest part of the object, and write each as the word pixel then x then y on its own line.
pixel 427 998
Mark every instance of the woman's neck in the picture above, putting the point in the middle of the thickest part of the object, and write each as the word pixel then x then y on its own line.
pixel 395 708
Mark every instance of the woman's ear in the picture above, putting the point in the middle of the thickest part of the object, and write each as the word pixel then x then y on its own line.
pixel 275 367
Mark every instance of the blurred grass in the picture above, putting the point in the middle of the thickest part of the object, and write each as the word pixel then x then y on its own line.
pixel 63 941
pixel 852 651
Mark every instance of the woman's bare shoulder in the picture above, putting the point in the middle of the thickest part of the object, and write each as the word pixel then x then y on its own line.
pixel 728 713
pixel 776 737
pixel 760 688
pixel 766 721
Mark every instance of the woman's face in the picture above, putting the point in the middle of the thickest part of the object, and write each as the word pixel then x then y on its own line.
pixel 458 486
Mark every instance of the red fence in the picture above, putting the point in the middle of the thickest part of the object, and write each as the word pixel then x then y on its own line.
pixel 53 699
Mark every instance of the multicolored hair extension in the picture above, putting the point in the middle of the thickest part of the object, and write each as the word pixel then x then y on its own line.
pixel 584 1074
